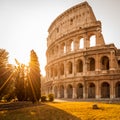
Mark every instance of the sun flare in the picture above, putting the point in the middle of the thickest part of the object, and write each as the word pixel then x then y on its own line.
pixel 21 59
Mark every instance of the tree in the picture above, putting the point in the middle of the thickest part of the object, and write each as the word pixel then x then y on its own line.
pixel 34 80
pixel 19 82
pixel 6 74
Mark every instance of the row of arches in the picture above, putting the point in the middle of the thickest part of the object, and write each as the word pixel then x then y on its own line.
pixel 60 69
pixel 91 91
pixel 71 45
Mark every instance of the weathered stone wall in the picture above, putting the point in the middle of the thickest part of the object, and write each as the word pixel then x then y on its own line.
pixel 79 63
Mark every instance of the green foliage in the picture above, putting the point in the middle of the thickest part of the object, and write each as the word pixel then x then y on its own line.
pixel 51 97
pixel 43 98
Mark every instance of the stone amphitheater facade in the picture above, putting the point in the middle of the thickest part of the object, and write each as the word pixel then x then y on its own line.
pixel 79 63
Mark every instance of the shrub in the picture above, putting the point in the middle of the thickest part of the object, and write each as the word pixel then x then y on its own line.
pixel 51 97
pixel 43 98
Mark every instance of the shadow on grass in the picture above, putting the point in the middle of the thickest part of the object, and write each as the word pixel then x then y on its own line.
pixel 16 105
pixel 29 111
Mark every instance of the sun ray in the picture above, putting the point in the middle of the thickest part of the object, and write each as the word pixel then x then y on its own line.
pixel 11 75
pixel 31 85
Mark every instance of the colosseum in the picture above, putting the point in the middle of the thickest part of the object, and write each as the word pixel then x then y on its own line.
pixel 79 63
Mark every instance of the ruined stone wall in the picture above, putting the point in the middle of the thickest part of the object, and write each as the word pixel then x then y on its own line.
pixel 79 63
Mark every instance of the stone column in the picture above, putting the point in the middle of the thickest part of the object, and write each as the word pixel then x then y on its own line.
pixel 97 64
pixel 111 90
pixel 86 42
pixel 74 92
pixel 84 65
pixel 84 90
pixel 112 61
pixel 76 44
pixel 65 92
pixel 68 46
pixel 97 90
pixel 58 93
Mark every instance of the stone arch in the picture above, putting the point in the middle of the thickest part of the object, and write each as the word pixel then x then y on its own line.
pixel 63 48
pixel 118 63
pixel 55 91
pixel 105 63
pixel 53 51
pixel 79 65
pixel 117 90
pixel 69 91
pixel 91 64
pixel 81 43
pixel 79 90
pixel 55 71
pixel 92 40
pixel 61 91
pixel 70 67
pixel 72 46
pixel 105 90
pixel 91 90
pixel 56 50
pixel 51 70
pixel 61 69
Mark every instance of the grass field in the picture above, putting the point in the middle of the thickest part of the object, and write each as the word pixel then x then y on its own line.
pixel 59 111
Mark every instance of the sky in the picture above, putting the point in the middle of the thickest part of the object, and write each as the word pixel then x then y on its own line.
pixel 24 25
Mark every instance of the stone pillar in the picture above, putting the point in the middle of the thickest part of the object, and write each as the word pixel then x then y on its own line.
pixel 76 44
pixel 84 65
pixel 86 42
pixel 97 65
pixel 65 92
pixel 111 90
pixel 84 90
pixel 74 93
pixel 112 61
pixel 97 90
pixel 58 71
pixel 99 38
pixel 68 46
pixel 58 94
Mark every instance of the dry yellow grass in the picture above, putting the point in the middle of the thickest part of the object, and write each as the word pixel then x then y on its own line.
pixel 84 110
pixel 63 111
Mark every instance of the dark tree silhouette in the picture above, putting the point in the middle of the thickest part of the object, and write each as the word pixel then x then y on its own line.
pixel 34 80
pixel 19 82
pixel 6 74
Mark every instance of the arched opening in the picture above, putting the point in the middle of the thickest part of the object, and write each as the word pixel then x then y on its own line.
pixel 56 50
pixel 51 72
pixel 55 71
pixel 118 63
pixel 104 63
pixel 69 91
pixel 81 43
pixel 61 69
pixel 70 67
pixel 72 46
pixel 53 51
pixel 61 91
pixel 105 90
pixel 117 90
pixel 91 64
pixel 79 90
pixel 63 48
pixel 79 66
pixel 55 91
pixel 92 40
pixel 91 90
